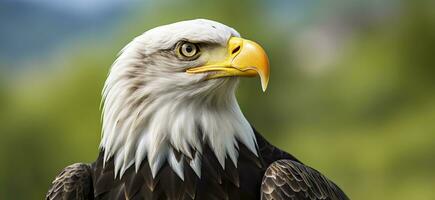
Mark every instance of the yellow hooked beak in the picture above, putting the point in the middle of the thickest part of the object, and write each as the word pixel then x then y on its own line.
pixel 245 58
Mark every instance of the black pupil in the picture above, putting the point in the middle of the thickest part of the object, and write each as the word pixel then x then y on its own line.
pixel 189 48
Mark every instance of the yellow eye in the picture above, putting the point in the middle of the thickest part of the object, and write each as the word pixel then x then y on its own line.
pixel 188 50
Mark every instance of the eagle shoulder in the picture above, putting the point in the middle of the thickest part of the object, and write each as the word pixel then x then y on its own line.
pixel 73 183
pixel 287 179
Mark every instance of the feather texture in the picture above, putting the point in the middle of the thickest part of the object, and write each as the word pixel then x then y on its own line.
pixel 73 183
pixel 273 174
pixel 287 179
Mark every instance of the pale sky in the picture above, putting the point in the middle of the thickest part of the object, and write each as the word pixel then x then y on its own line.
pixel 82 6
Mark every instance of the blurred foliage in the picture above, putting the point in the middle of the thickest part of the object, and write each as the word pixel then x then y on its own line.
pixel 367 121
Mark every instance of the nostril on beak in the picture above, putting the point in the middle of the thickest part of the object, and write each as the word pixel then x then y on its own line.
pixel 235 50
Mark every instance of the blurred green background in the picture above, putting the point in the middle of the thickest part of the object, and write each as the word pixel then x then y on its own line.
pixel 352 89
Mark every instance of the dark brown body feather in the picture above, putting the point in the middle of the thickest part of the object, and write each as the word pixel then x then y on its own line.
pixel 242 182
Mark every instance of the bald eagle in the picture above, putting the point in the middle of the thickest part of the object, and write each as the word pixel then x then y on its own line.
pixel 172 128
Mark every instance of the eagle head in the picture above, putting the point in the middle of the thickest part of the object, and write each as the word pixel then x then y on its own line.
pixel 171 91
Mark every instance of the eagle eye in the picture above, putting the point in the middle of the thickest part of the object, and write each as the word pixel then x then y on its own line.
pixel 188 50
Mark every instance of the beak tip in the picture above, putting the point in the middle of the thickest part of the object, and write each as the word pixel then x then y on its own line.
pixel 264 79
pixel 264 86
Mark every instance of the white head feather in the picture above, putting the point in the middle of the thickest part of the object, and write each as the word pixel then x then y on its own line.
pixel 153 108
